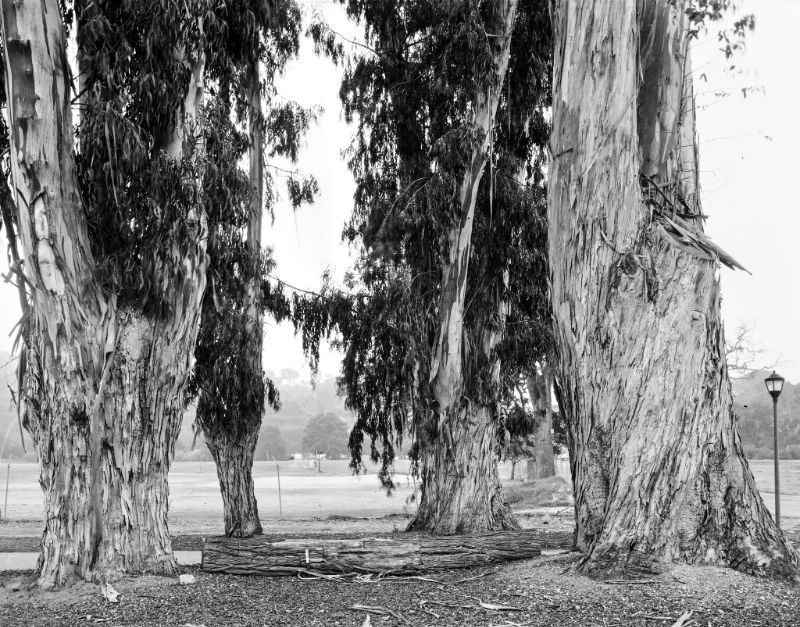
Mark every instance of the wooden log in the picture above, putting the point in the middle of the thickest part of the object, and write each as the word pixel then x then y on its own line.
pixel 404 555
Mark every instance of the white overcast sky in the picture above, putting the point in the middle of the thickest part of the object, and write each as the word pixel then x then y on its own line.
pixel 749 172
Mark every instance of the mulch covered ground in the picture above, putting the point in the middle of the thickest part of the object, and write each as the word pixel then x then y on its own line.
pixel 540 591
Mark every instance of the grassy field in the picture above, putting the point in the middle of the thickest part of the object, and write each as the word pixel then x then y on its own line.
pixel 196 505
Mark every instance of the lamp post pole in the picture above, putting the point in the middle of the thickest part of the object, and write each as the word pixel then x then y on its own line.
pixel 774 383
pixel 777 467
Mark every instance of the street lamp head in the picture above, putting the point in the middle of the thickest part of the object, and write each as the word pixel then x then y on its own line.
pixel 774 384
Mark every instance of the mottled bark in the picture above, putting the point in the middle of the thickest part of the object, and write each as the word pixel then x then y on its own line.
pixel 543 462
pixel 657 462
pixel 233 445
pixel 446 463
pixel 102 384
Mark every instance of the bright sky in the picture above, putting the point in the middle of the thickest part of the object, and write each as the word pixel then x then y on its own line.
pixel 748 161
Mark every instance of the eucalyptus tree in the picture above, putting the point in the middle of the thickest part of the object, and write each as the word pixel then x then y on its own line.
pixel 448 101
pixel 112 235
pixel 246 51
pixel 657 460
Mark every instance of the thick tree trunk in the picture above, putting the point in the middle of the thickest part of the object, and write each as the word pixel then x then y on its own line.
pixel 384 556
pixel 232 438
pixel 657 461
pixel 234 460
pixel 447 461
pixel 543 463
pixel 102 385
pixel 461 491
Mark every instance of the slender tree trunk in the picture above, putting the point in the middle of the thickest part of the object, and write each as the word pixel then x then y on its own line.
pixel 234 460
pixel 455 483
pixel 657 461
pixel 233 445
pixel 102 385
pixel 542 465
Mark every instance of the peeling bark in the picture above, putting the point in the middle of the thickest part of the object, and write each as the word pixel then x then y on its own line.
pixel 461 492
pixel 103 387
pixel 657 462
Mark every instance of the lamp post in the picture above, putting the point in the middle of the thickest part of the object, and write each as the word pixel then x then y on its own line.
pixel 774 384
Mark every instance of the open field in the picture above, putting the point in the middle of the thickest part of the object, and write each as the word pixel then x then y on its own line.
pixel 196 505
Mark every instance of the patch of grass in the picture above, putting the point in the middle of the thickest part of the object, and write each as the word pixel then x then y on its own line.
pixel 548 492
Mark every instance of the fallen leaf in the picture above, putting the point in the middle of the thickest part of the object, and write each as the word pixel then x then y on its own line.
pixel 111 595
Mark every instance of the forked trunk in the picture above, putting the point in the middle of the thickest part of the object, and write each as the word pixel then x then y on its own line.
pixel 102 385
pixel 437 511
pixel 234 460
pixel 657 462
pixel 542 464
pixel 461 491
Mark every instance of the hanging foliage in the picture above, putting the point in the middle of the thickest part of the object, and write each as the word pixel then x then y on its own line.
pixel 410 91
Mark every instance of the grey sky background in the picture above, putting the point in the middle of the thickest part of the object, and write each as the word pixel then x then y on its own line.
pixel 748 174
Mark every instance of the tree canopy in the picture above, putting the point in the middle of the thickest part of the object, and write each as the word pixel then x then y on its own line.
pixel 410 98
pixel 325 433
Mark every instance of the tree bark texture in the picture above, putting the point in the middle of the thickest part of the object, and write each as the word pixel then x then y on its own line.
pixel 657 462
pixel 542 465
pixel 234 461
pixel 102 384
pixel 461 492
pixel 233 446
pixel 385 556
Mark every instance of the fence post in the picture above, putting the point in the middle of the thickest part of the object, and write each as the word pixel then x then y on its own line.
pixel 5 504
pixel 280 502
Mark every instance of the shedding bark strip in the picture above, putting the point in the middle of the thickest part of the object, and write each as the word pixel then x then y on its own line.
pixel 657 463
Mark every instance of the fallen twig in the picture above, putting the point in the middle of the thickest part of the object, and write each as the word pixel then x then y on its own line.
pixel 378 609
pixel 453 605
pixel 684 619
pixel 634 582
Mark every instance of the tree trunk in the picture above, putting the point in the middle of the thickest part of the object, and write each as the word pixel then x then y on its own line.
pixel 102 385
pixel 384 556
pixel 232 438
pixel 234 460
pixel 461 491
pixel 656 458
pixel 448 462
pixel 543 463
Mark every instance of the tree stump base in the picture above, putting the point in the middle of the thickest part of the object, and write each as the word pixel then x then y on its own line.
pixel 406 555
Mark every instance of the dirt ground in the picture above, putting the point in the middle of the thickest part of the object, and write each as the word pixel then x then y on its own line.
pixel 541 591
